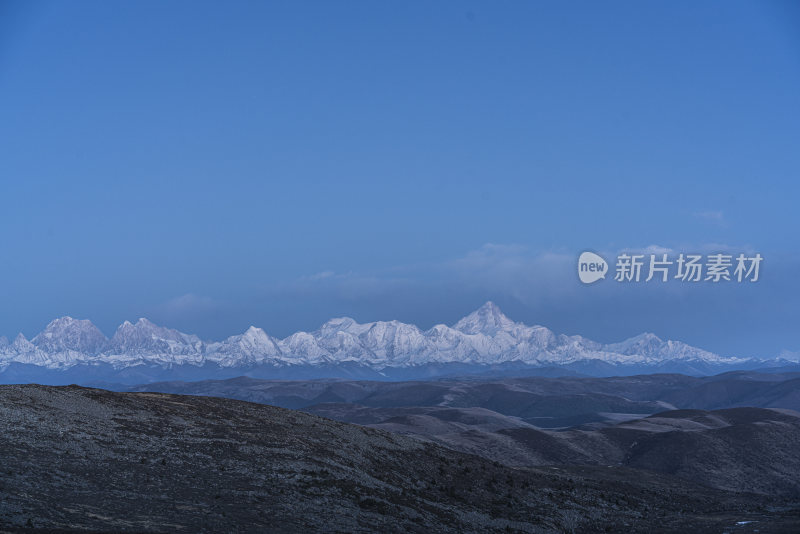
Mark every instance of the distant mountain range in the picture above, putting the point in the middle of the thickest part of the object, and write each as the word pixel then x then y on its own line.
pixel 483 342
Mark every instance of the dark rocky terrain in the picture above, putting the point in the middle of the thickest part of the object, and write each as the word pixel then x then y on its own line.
pixel 739 449
pixel 85 459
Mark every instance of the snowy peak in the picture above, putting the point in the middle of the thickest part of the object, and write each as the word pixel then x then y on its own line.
pixel 488 319
pixel 255 332
pixel 68 334
pixel 342 324
pixel 789 356
pixel 258 341
pixel 253 346
pixel 146 337
pixel 645 344
pixel 22 345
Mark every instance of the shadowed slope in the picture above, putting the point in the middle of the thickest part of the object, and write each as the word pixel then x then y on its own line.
pixel 76 458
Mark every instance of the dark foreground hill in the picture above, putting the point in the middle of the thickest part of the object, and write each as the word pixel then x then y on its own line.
pixel 84 459
pixel 739 449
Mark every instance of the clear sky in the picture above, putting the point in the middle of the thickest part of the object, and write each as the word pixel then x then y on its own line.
pixel 212 165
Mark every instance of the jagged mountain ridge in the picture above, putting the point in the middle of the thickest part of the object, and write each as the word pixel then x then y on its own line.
pixel 484 337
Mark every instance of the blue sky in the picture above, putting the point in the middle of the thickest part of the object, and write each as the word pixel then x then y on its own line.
pixel 216 165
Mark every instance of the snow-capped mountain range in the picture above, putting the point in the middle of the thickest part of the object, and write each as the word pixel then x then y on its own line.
pixel 482 340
